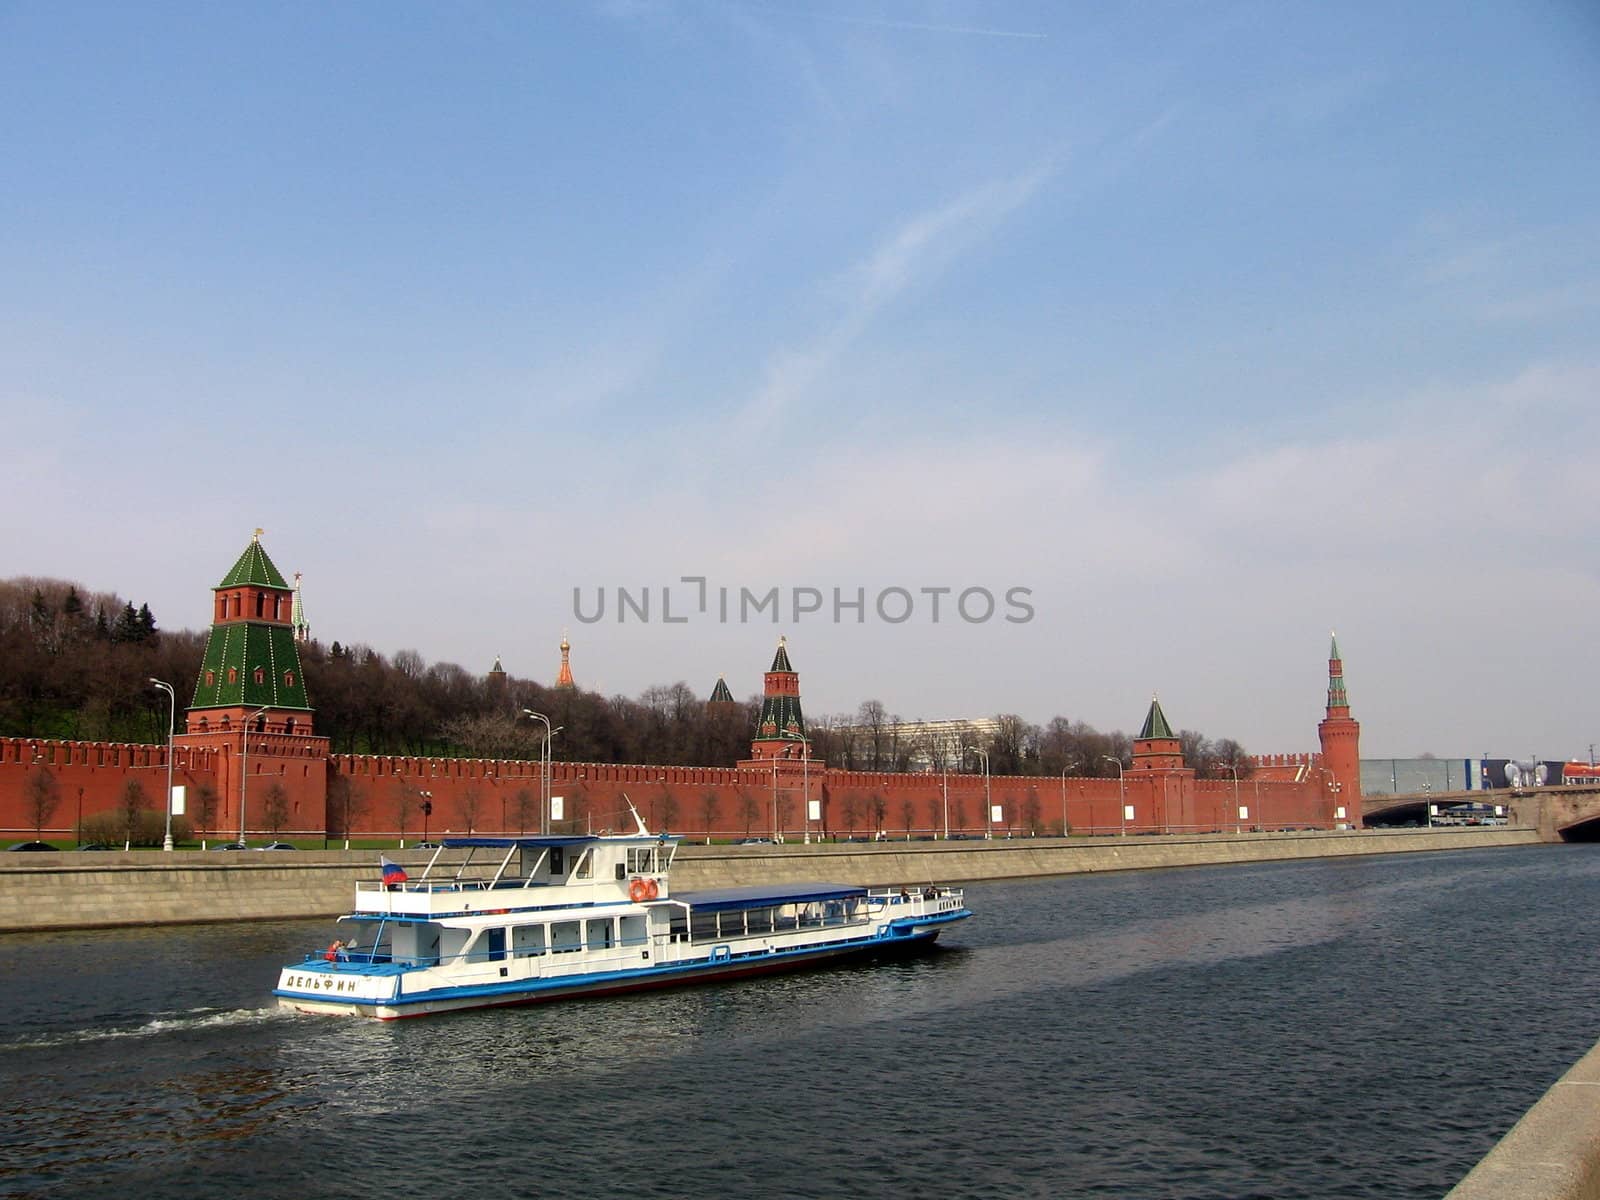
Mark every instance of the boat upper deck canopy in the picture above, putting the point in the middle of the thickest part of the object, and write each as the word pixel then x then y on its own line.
pixel 724 899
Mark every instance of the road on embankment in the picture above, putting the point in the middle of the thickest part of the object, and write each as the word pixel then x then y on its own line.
pixel 70 890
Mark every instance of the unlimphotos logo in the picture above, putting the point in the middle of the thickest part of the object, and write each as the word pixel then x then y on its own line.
pixel 694 598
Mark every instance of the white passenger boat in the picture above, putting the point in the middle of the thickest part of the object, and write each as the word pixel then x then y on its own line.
pixel 542 918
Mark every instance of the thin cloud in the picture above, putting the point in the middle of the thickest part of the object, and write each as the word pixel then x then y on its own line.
pixel 916 250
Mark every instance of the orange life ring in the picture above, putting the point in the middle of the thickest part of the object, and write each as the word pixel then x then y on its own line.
pixel 637 890
pixel 652 889
pixel 332 952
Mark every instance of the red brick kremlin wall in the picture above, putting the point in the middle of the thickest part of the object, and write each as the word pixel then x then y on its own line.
pixel 92 775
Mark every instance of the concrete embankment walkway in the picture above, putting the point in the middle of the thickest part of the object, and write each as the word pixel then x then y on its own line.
pixel 69 890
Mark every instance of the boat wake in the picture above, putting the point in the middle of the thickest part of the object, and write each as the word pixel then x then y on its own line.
pixel 159 1025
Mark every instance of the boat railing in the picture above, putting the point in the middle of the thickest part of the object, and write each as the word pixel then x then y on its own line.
pixel 599 956
pixel 428 886
pixel 937 898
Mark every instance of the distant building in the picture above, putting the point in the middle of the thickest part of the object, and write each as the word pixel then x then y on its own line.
pixel 920 745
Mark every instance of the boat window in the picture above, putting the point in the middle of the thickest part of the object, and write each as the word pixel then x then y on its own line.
pixel 642 860
pixel 527 940
pixel 600 934
pixel 558 864
pixel 566 936
pixel 585 867
pixel 635 930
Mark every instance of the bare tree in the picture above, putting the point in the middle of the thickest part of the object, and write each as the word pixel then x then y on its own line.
pixel 522 806
pixel 872 717
pixel 1032 812
pixel 131 805
pixel 205 807
pixel 470 806
pixel 749 810
pixel 708 810
pixel 879 808
pixel 850 810
pixel 41 794
pixel 907 812
pixel 667 810
pixel 275 809
pixel 405 801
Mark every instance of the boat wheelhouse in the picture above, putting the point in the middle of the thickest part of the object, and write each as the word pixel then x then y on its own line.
pixel 528 919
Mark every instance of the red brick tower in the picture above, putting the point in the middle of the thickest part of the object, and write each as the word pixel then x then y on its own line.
pixel 1158 768
pixel 1341 744
pixel 1157 748
pixel 781 730
pixel 251 668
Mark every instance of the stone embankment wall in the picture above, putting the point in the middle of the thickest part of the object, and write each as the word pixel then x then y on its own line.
pixel 69 890
pixel 1553 1153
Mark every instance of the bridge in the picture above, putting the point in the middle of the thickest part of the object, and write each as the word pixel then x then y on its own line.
pixel 1563 813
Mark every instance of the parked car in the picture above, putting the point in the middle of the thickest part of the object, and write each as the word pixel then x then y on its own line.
pixel 96 846
pixel 32 846
pixel 231 846
pixel 276 846
pixel 754 842
pixel 426 846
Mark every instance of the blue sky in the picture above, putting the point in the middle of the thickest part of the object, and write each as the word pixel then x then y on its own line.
pixel 1215 325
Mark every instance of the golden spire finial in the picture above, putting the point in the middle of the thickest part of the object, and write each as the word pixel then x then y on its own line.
pixel 259 532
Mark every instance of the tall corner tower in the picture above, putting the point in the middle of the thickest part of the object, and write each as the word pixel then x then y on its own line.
pixel 1340 735
pixel 250 672
pixel 781 729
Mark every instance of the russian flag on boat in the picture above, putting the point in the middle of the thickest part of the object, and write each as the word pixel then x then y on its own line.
pixel 393 872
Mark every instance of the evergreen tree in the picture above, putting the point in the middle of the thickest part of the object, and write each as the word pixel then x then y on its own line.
pixel 72 606
pixel 127 627
pixel 147 625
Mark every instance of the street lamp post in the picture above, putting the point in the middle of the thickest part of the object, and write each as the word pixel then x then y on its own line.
pixel 1237 819
pixel 427 811
pixel 1122 796
pixel 544 771
pixel 244 766
pixel 945 775
pixel 988 803
pixel 172 720
pixel 805 783
pixel 1065 768
pixel 1331 785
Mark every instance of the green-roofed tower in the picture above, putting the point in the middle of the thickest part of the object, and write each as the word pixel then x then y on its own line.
pixel 1155 722
pixel 1157 748
pixel 251 667
pixel 781 728
pixel 720 694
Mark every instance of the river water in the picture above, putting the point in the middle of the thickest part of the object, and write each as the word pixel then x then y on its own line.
pixel 1351 1027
